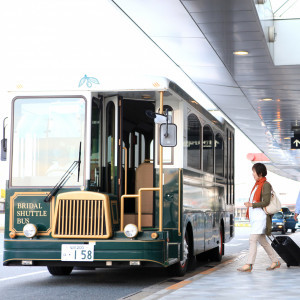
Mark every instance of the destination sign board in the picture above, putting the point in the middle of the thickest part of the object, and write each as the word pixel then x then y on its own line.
pixel 29 207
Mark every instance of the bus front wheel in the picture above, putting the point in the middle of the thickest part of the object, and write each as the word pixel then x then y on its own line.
pixel 179 269
pixel 60 271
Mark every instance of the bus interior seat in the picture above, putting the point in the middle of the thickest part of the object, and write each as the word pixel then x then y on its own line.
pixel 144 179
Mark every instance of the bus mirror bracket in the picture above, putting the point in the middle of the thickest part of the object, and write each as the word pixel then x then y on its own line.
pixel 4 143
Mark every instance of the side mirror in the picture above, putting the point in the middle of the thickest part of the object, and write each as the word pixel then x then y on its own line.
pixel 168 135
pixel 3 143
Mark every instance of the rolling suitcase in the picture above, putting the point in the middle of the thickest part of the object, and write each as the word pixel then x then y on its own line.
pixel 287 249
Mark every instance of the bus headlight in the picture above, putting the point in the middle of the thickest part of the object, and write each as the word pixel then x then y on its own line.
pixel 131 231
pixel 30 230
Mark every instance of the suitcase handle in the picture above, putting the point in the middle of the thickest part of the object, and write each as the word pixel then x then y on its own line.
pixel 274 239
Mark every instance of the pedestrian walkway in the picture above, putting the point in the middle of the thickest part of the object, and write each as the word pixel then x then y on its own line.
pixel 225 282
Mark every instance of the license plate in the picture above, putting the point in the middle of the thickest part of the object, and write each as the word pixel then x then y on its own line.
pixel 77 252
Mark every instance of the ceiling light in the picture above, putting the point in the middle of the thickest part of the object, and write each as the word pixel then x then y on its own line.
pixel 277 120
pixel 241 52
pixel 287 138
pixel 266 99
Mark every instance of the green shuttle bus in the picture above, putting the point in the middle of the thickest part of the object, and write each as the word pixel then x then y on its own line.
pixel 137 175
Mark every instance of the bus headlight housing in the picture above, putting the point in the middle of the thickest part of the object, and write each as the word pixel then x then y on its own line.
pixel 30 230
pixel 131 231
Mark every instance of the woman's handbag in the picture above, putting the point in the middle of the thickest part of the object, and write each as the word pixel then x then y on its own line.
pixel 274 206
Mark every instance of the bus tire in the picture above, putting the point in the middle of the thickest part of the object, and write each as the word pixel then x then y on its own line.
pixel 179 269
pixel 59 271
pixel 217 253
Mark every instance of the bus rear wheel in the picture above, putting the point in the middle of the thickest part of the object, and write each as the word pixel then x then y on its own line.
pixel 217 253
pixel 59 271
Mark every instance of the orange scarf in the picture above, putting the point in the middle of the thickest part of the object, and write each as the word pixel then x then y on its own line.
pixel 256 198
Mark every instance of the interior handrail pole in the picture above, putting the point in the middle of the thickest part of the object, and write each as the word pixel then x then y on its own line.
pixel 161 110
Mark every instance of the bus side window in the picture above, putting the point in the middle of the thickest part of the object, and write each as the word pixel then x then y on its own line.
pixel 219 153
pixel 194 142
pixel 110 149
pixel 96 145
pixel 208 150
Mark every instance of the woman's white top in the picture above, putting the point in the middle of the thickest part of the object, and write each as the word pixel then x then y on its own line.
pixel 258 218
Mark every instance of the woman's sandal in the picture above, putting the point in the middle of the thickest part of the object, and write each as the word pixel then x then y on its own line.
pixel 274 265
pixel 245 268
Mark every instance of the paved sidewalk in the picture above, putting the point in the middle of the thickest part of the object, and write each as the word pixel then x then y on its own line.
pixel 225 282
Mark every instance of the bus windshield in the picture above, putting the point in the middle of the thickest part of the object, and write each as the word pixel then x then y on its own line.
pixel 46 137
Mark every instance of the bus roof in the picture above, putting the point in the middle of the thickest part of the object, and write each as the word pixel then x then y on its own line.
pixel 91 83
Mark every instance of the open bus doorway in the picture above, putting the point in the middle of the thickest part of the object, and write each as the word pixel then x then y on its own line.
pixel 137 135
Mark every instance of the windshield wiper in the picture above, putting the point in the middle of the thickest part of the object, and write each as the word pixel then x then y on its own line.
pixel 65 177
pixel 79 161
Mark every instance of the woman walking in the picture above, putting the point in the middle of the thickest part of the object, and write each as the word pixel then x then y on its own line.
pixel 261 224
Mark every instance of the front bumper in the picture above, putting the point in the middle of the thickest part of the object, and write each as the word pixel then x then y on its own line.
pixel 278 227
pixel 48 251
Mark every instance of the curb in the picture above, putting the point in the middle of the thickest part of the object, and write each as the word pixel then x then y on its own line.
pixel 198 276
pixel 147 294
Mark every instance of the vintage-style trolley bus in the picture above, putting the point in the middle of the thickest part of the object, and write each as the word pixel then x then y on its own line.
pixel 141 174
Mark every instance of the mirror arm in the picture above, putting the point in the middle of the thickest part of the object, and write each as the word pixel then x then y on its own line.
pixel 167 132
pixel 4 143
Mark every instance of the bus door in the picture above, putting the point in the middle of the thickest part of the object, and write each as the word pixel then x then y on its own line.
pixel 110 134
pixel 96 176
pixel 136 148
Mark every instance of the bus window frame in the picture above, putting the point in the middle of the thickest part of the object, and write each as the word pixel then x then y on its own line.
pixel 100 144
pixel 223 155
pixel 213 149
pixel 83 166
pixel 113 146
pixel 201 142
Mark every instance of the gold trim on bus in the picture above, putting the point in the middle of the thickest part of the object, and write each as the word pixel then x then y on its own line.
pixel 161 109
pixel 139 196
pixel 179 202
pixel 82 214
pixel 12 212
pixel 126 163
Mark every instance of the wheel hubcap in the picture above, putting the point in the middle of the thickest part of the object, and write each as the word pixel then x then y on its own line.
pixel 185 253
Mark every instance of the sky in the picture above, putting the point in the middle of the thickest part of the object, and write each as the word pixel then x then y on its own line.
pixel 52 44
